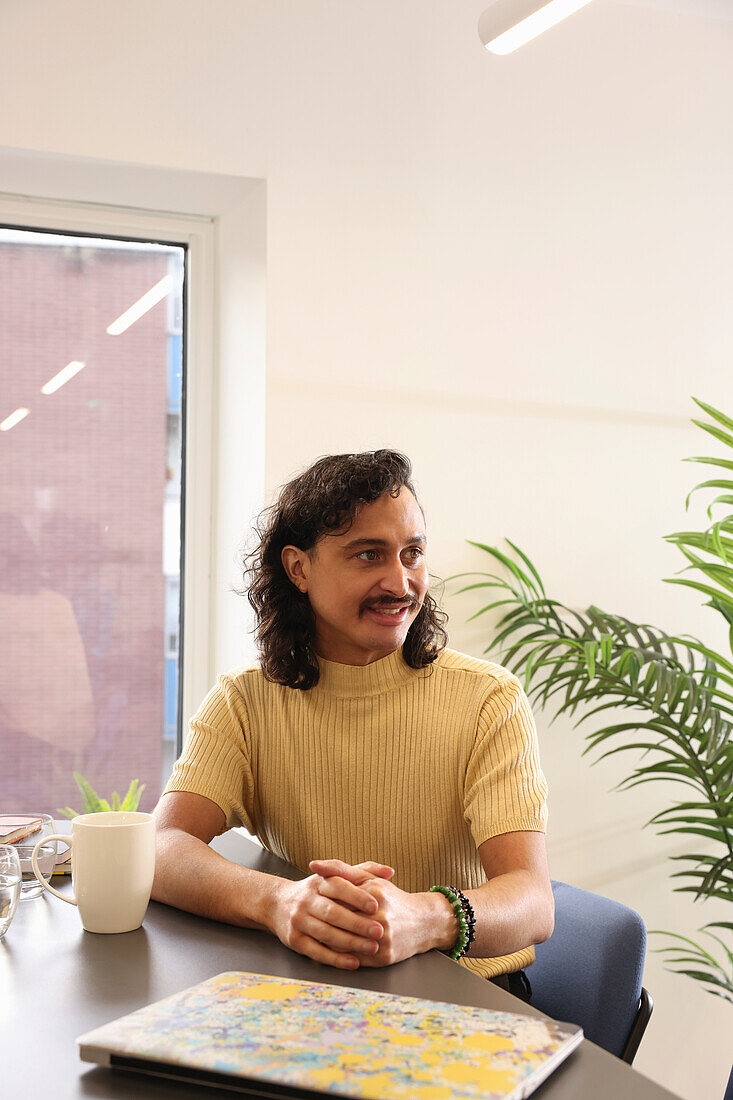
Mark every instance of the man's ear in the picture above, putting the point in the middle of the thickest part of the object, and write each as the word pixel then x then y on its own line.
pixel 295 564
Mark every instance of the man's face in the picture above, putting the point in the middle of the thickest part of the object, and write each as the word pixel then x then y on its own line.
pixel 366 585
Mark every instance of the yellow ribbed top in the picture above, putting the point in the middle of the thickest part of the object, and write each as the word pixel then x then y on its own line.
pixel 410 767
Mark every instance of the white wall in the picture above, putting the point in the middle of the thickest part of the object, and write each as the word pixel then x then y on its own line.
pixel 515 269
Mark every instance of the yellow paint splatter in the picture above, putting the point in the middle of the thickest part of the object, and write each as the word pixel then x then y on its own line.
pixel 377 1086
pixel 489 1079
pixel 429 1058
pixel 448 1044
pixel 270 991
pixel 401 1038
pixel 358 1060
pixel 350 1059
pixel 488 1043
pixel 332 1075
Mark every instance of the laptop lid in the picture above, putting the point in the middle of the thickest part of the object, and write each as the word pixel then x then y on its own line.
pixel 280 1037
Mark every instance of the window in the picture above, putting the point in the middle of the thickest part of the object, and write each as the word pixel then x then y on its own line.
pixel 220 222
pixel 91 368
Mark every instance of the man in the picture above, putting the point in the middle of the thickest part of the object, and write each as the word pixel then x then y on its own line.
pixel 363 750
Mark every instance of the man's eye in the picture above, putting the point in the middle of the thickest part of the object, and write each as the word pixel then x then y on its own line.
pixel 363 552
pixel 415 552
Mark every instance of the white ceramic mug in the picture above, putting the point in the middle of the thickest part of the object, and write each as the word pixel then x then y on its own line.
pixel 112 868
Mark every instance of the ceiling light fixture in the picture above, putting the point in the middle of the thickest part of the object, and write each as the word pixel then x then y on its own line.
pixel 508 24
pixel 64 375
pixel 141 306
pixel 14 418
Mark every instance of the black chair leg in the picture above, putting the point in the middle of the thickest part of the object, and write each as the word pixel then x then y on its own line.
pixel 643 1013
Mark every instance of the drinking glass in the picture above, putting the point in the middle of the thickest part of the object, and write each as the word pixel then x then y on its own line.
pixel 9 885
pixel 30 886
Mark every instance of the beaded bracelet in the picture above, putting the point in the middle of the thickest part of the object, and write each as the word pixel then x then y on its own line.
pixel 469 915
pixel 464 916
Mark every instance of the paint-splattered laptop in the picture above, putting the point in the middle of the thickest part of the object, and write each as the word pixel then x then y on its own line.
pixel 275 1037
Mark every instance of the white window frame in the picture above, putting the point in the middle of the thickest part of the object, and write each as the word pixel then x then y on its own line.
pixel 221 220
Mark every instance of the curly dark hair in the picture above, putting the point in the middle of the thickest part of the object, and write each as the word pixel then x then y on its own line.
pixel 324 498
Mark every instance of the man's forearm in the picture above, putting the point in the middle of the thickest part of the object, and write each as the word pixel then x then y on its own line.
pixel 192 876
pixel 512 911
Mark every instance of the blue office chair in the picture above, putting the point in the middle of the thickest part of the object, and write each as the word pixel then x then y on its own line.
pixel 589 972
pixel 729 1088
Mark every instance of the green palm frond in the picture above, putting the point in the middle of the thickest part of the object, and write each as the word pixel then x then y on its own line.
pixel 690 958
pixel 638 689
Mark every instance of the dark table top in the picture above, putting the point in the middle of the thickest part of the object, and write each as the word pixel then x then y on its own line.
pixel 58 981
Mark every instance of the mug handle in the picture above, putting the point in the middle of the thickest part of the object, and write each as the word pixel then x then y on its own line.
pixel 37 871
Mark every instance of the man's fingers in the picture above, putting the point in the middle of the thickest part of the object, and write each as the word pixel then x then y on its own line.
pixel 322 954
pixel 380 870
pixel 347 893
pixel 357 874
pixel 375 889
pixel 338 939
pixel 328 868
pixel 336 915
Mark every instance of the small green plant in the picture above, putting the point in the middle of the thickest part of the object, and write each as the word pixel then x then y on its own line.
pixel 93 804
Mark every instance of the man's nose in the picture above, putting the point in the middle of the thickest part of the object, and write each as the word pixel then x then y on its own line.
pixel 395 578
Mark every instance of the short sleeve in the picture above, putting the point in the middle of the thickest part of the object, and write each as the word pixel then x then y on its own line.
pixel 215 761
pixel 505 789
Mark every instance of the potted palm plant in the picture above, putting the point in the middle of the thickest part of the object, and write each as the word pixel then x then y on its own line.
pixel 639 688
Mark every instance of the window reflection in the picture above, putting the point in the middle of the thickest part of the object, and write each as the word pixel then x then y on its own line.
pixel 89 516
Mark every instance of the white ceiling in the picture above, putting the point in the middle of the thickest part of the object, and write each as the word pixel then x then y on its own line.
pixel 707 9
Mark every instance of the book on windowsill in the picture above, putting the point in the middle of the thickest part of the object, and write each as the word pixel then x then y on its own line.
pixel 13 829
pixel 63 855
pixel 63 863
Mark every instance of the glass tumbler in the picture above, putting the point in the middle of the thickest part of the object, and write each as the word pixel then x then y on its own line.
pixel 9 885
pixel 30 886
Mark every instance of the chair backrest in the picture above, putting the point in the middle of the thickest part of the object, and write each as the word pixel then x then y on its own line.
pixel 590 970
pixel 729 1089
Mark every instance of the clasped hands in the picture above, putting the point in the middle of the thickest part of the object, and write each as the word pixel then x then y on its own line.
pixel 350 916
